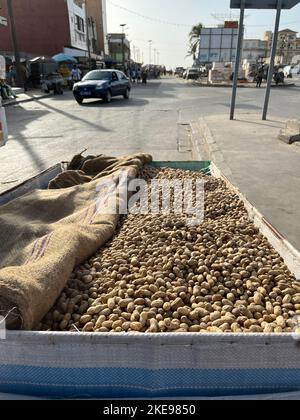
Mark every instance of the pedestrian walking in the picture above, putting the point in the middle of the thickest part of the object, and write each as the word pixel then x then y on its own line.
pixel 139 75
pixel 144 77
pixel 76 74
pixel 259 76
pixel 133 76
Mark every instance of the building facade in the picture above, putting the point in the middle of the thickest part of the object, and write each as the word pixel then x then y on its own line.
pixel 254 50
pixel 288 45
pixel 96 10
pixel 115 42
pixel 42 27
pixel 77 24
pixel 46 27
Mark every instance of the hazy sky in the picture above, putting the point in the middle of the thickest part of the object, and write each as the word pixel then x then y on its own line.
pixel 171 40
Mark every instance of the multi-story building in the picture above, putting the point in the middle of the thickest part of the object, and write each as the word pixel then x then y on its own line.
pixel 46 27
pixel 288 45
pixel 254 50
pixel 119 48
pixel 96 10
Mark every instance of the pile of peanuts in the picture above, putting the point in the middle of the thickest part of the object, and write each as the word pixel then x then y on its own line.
pixel 159 275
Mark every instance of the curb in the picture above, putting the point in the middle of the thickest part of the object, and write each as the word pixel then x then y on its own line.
pixel 241 86
pixel 23 101
pixel 203 139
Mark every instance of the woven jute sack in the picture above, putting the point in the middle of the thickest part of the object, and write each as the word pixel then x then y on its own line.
pixel 45 234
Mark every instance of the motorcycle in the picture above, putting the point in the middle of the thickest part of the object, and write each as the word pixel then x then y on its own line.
pixel 279 77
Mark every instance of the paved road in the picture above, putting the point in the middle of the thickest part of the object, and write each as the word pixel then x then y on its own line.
pixel 155 120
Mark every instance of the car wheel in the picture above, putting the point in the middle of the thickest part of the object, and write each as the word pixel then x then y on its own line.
pixel 108 97
pixel 79 100
pixel 127 94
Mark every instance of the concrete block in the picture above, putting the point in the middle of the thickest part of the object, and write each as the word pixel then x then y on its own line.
pixel 293 125
pixel 289 137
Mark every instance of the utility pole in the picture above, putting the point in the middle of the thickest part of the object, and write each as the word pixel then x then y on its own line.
pixel 154 51
pixel 87 34
pixel 238 58
pixel 123 44
pixel 150 51
pixel 20 81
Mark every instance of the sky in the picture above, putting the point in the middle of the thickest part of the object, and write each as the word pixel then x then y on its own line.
pixel 168 22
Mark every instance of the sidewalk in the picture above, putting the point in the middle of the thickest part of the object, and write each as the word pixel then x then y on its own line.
pixel 23 97
pixel 243 85
pixel 265 170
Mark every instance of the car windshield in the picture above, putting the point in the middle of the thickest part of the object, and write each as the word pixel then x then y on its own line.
pixel 98 75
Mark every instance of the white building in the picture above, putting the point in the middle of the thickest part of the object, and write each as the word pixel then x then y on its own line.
pixel 254 49
pixel 77 20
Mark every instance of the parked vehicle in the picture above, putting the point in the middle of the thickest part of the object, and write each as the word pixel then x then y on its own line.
pixel 103 84
pixel 52 81
pixel 179 71
pixel 191 74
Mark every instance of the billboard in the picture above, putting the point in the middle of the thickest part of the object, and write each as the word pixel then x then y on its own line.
pixel 263 4
pixel 218 45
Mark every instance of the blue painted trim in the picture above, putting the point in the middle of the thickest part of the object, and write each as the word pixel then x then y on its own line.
pixel 142 383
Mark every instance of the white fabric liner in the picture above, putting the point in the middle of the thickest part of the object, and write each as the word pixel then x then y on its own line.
pixel 147 351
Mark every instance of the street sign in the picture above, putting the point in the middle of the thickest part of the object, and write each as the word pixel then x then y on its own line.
pixel 3 21
pixel 263 4
pixel 278 5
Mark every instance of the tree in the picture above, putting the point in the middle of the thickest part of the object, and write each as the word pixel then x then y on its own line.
pixel 195 40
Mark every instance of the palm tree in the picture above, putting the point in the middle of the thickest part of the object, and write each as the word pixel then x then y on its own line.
pixel 195 40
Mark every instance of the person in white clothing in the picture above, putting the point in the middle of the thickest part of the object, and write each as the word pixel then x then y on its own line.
pixel 76 74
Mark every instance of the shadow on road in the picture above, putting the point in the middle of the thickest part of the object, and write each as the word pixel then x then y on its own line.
pixel 116 103
pixel 72 117
pixel 16 130
pixel 240 106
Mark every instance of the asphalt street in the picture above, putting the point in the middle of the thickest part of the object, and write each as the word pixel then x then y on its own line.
pixel 155 120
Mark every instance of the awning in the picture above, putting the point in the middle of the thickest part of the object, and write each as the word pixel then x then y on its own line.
pixel 64 58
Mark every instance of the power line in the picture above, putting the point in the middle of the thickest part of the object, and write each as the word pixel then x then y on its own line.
pixel 164 22
pixel 152 19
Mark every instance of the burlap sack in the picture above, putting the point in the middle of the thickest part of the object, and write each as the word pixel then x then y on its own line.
pixel 44 235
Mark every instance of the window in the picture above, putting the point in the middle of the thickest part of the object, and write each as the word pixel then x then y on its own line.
pixel 79 23
pixel 122 76
pixel 114 77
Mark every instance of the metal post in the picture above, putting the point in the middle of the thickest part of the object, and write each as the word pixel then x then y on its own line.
pixel 123 51
pixel 3 125
pixel 238 58
pixel 272 61
pixel 150 52
pixel 87 34
pixel 123 45
pixel 20 82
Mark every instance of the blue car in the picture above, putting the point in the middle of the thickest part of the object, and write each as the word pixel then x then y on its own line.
pixel 103 84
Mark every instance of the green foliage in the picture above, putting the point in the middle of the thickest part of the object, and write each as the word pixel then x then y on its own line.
pixel 194 40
